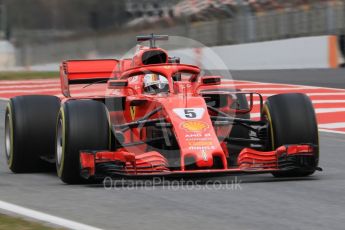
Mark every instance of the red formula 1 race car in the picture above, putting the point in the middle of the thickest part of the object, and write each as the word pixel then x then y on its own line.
pixel 158 117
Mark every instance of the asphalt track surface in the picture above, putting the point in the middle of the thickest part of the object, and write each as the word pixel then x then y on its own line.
pixel 259 202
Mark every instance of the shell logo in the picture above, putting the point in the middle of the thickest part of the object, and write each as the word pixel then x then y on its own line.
pixel 194 126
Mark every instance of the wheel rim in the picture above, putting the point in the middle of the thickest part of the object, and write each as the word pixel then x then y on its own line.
pixel 267 117
pixel 59 143
pixel 8 136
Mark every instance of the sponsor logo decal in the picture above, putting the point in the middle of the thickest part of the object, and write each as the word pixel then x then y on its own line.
pixel 198 136
pixel 202 147
pixel 190 113
pixel 133 79
pixel 194 126
pixel 200 143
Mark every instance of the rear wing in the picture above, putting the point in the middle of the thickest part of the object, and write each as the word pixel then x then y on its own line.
pixel 85 72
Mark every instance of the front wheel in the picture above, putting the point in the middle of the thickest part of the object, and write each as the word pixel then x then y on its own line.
pixel 292 120
pixel 81 125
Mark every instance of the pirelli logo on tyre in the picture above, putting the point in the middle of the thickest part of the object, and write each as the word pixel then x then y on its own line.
pixel 194 126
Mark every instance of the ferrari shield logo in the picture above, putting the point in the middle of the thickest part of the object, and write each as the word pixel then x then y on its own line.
pixel 132 110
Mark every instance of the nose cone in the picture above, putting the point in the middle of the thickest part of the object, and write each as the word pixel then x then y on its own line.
pixel 194 131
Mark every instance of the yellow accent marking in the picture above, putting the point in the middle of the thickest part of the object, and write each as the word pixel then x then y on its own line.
pixel 266 111
pixel 132 110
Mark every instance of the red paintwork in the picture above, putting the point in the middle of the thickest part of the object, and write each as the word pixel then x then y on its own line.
pixel 196 138
pixel 252 159
pixel 85 69
pixel 133 164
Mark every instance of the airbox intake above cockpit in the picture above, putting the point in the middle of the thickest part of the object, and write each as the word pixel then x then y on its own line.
pixel 154 57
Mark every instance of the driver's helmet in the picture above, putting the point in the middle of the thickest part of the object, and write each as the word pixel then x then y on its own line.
pixel 155 83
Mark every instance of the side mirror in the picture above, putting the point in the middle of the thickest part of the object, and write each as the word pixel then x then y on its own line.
pixel 243 102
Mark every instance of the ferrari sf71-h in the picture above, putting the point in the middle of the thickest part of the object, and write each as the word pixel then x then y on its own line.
pixel 158 117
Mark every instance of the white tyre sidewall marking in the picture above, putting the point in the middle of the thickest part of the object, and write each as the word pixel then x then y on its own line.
pixel 8 136
pixel 59 143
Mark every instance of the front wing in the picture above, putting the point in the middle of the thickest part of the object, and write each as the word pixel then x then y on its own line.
pixel 101 164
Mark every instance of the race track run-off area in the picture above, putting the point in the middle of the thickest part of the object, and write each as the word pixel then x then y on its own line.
pixel 329 103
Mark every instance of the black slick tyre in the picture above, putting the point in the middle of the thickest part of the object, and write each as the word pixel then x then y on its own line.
pixel 292 120
pixel 30 131
pixel 81 125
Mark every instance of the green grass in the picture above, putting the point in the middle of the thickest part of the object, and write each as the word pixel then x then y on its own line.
pixel 15 223
pixel 19 75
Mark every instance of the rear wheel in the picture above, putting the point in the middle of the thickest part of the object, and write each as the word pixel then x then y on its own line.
pixel 292 120
pixel 81 125
pixel 30 131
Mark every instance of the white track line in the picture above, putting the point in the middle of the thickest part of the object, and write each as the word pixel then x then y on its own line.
pixel 28 86
pixel 30 91
pixel 277 88
pixel 100 93
pixel 249 84
pixel 11 82
pixel 309 94
pixel 329 110
pixel 336 125
pixel 331 131
pixel 317 111
pixel 327 101
pixel 315 102
pixel 44 217
pixel 292 85
pixel 228 81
